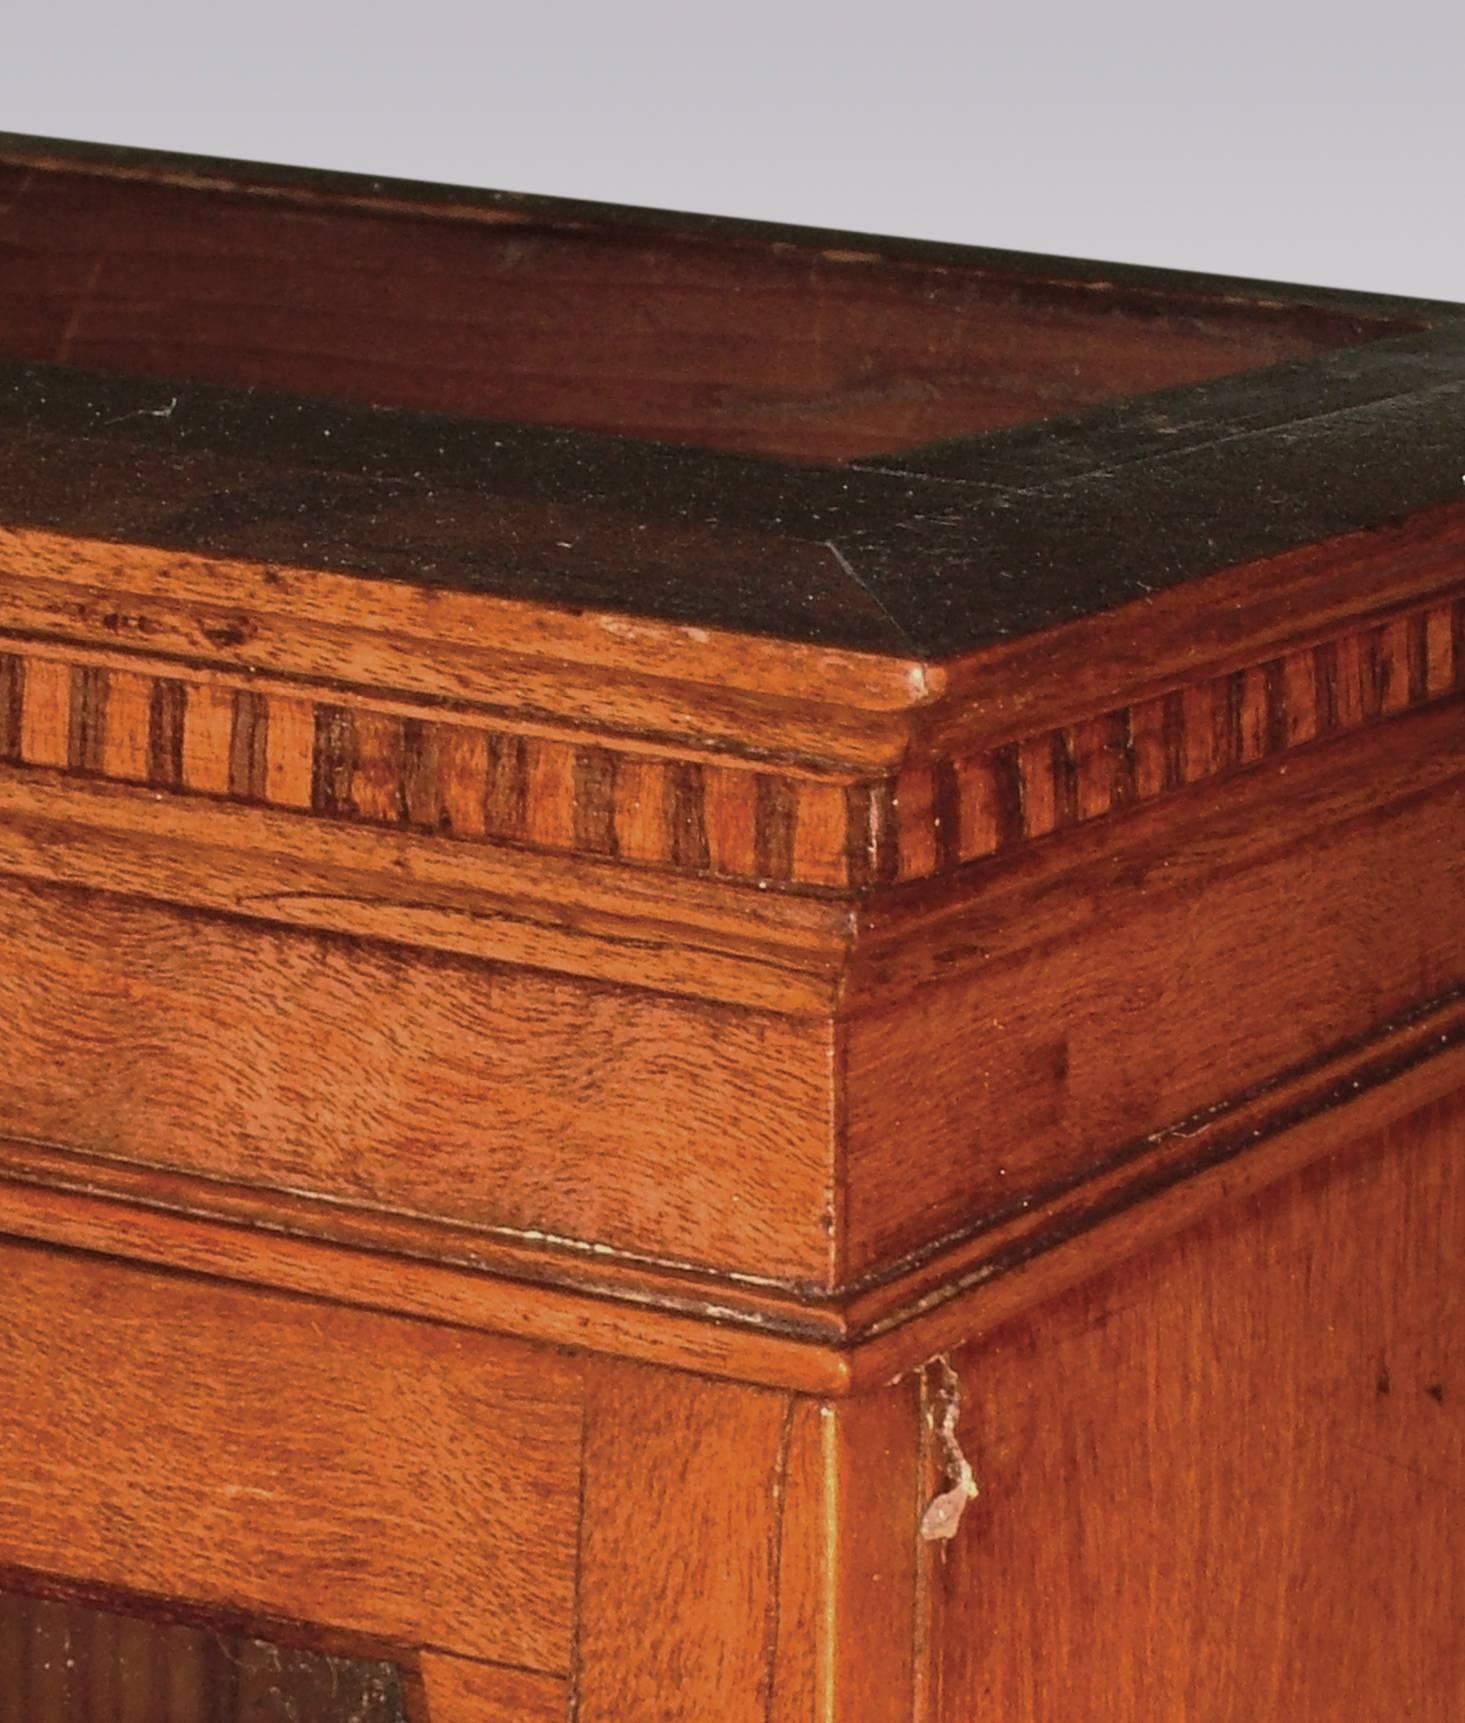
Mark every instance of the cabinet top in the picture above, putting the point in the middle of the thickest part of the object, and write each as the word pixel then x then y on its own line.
pixel 884 447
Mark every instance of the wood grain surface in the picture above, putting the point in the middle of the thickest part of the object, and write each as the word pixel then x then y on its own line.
pixel 457 1691
pixel 498 1097
pixel 853 1574
pixel 918 1157
pixel 747 1555
pixel 821 353
pixel 1224 1480
pixel 677 1594
pixel 278 1457
pixel 1184 977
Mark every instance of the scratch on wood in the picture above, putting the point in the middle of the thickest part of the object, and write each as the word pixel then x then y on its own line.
pixel 850 572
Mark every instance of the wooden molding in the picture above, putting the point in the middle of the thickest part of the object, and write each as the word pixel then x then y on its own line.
pixel 454 779
pixel 836 1343
pixel 355 756
pixel 646 929
pixel 952 810
pixel 893 1131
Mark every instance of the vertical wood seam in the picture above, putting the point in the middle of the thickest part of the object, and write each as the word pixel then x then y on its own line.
pixel 774 1609
pixel 577 1593
pixel 827 1652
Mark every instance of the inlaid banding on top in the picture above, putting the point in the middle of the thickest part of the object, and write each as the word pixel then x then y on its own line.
pixel 342 762
pixel 729 817
pixel 1053 780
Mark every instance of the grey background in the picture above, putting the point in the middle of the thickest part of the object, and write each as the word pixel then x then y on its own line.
pixel 1295 139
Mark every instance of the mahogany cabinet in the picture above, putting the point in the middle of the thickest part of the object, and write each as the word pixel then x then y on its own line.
pixel 731 971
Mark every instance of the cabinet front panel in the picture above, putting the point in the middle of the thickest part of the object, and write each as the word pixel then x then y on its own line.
pixel 280 1458
pixel 362 1073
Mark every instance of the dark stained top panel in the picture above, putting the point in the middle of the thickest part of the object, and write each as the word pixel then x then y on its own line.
pixel 877 444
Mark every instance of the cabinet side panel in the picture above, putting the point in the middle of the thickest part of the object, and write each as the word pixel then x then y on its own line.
pixel 1225 1480
pixel 1208 969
